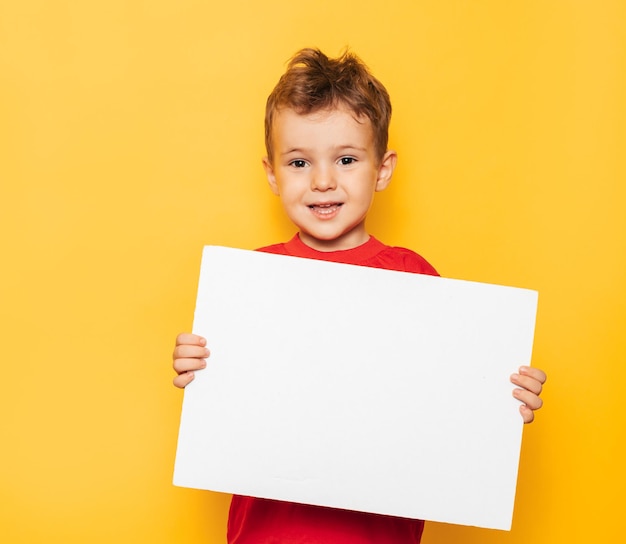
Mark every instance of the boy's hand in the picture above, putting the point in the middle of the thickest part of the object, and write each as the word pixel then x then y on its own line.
pixel 530 381
pixel 189 354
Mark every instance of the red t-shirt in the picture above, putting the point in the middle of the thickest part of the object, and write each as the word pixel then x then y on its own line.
pixel 264 521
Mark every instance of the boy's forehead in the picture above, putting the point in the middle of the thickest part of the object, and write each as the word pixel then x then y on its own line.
pixel 289 122
pixel 321 114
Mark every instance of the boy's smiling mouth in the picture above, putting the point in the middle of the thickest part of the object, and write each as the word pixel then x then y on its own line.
pixel 325 210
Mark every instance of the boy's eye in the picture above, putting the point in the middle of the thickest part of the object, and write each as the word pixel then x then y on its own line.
pixel 347 160
pixel 298 163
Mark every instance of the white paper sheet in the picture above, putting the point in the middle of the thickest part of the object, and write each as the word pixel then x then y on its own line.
pixel 356 388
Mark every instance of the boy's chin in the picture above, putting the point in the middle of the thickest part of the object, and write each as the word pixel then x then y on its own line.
pixel 332 242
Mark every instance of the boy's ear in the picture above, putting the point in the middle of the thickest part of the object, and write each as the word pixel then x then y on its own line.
pixel 385 170
pixel 271 176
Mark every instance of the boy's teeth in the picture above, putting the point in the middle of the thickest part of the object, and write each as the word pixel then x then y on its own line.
pixel 324 208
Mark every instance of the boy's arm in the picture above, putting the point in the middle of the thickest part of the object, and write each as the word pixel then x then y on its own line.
pixel 529 383
pixel 189 354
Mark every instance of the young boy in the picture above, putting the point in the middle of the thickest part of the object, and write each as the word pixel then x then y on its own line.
pixel 326 129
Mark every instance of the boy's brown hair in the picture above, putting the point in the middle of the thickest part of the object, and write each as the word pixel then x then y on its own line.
pixel 316 82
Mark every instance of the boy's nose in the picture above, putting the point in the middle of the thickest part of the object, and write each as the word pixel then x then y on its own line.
pixel 323 180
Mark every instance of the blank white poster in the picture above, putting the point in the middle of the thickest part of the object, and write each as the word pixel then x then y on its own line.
pixel 356 388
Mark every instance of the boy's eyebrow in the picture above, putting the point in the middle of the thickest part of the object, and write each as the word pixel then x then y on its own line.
pixel 348 147
pixel 293 150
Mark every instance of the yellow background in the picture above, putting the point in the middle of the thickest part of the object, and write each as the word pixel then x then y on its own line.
pixel 131 135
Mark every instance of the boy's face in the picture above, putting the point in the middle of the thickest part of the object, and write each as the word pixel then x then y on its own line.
pixel 326 171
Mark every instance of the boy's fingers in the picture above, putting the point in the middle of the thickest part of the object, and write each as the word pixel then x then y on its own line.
pixel 533 372
pixel 189 355
pixel 527 414
pixel 528 382
pixel 183 379
pixel 185 365
pixel 190 338
pixel 188 351
pixel 528 398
